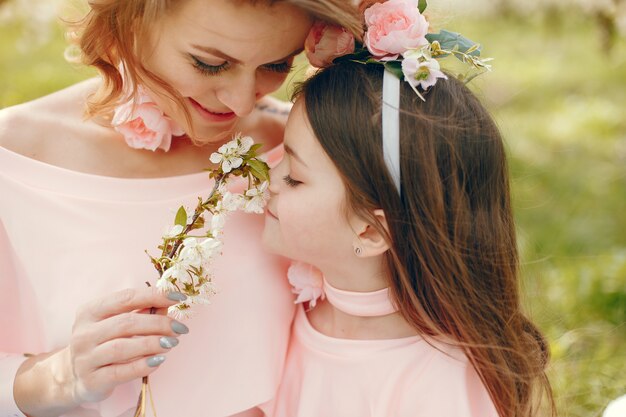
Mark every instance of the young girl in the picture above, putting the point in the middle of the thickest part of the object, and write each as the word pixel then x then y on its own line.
pixel 418 311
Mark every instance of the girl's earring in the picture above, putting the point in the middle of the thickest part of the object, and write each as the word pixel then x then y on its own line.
pixel 357 251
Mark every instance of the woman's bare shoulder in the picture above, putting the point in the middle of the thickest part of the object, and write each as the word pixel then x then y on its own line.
pixel 25 128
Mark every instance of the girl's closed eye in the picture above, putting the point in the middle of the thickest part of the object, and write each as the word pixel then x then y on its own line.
pixel 290 181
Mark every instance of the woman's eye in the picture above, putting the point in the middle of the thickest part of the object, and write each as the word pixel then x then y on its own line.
pixel 290 181
pixel 281 67
pixel 207 69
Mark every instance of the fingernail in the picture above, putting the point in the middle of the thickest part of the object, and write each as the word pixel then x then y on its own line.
pixel 179 327
pixel 168 342
pixel 155 361
pixel 176 296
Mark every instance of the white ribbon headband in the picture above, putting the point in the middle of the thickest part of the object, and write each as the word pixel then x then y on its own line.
pixel 391 125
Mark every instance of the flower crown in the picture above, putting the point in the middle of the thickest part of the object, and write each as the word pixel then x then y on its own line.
pixel 396 36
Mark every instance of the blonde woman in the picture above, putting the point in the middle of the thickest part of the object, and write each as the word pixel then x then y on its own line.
pixel 83 197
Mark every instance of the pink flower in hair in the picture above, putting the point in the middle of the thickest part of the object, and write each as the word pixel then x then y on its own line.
pixel 394 27
pixel 307 282
pixel 326 42
pixel 143 124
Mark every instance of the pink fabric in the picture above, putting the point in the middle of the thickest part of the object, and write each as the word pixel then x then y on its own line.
pixel 325 376
pixel 68 237
pixel 363 304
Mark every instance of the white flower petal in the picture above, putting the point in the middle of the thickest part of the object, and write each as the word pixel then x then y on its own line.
pixel 216 158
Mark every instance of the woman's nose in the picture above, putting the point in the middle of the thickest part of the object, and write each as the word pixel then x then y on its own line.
pixel 240 94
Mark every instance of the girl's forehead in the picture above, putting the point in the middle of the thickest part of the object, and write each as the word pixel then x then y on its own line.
pixel 301 139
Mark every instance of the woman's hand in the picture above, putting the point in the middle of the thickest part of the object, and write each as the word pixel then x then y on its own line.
pixel 113 341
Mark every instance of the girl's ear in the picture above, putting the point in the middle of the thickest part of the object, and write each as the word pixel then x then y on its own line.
pixel 368 241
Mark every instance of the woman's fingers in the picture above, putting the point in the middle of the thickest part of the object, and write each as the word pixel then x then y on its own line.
pixel 134 324
pixel 104 379
pixel 114 341
pixel 121 373
pixel 126 350
pixel 128 300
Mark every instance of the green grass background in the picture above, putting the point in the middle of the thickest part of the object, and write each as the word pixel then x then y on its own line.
pixel 560 101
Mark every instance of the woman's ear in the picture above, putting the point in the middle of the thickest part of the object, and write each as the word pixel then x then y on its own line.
pixel 368 240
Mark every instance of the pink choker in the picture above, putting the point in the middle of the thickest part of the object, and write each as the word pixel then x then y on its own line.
pixel 362 304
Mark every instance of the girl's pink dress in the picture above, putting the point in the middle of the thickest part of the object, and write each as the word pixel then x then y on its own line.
pixel 406 377
pixel 68 237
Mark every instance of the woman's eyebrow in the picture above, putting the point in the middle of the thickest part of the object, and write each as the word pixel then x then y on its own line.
pixel 217 53
pixel 226 57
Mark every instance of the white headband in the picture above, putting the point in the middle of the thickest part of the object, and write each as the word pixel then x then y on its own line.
pixel 391 125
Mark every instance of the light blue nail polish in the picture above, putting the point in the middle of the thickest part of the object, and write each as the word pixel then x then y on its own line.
pixel 176 296
pixel 168 342
pixel 179 327
pixel 155 361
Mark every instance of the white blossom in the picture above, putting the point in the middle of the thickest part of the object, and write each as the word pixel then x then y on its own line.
pixel 178 313
pixel 217 223
pixel 174 231
pixel 189 257
pixel 206 291
pixel 245 143
pixel 420 69
pixel 228 156
pixel 255 199
pixel 177 271
pixel 231 201
pixel 197 254
pixel 165 285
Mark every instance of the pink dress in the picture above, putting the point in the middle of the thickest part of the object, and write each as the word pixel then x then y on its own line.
pixel 69 237
pixel 406 377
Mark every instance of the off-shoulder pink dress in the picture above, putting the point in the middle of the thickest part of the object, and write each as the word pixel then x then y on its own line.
pixel 69 237
pixel 407 377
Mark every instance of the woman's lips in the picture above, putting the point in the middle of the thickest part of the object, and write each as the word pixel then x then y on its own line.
pixel 211 116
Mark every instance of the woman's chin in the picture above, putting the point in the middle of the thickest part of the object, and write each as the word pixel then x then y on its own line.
pixel 211 135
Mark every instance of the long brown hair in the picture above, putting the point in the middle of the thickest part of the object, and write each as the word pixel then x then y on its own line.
pixel 111 30
pixel 453 261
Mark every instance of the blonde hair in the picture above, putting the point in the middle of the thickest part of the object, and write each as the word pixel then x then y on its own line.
pixel 108 35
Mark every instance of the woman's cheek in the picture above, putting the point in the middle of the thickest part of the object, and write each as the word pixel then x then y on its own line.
pixel 271 82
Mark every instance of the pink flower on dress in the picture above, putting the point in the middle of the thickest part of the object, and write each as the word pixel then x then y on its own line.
pixel 307 282
pixel 393 27
pixel 326 42
pixel 143 124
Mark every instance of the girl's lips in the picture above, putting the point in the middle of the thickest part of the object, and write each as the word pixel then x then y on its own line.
pixel 269 213
pixel 211 116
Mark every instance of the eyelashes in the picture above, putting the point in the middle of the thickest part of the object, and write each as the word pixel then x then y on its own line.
pixel 282 67
pixel 290 181
pixel 206 69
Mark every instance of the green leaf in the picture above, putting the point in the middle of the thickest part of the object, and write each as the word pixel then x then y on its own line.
pixel 395 67
pixel 252 153
pixel 454 41
pixel 422 5
pixel 259 169
pixel 181 217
